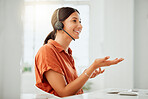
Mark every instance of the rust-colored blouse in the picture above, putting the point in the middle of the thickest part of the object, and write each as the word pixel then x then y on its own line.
pixel 52 56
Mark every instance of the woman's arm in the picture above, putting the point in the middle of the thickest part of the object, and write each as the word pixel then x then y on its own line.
pixel 58 82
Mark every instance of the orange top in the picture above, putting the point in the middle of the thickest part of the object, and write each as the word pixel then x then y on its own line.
pixel 52 56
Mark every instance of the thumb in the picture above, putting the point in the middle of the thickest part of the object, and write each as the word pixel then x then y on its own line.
pixel 106 58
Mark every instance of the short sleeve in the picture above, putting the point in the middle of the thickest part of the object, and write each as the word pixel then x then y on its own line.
pixel 46 59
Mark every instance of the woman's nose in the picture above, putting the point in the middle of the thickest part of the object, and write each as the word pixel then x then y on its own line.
pixel 80 26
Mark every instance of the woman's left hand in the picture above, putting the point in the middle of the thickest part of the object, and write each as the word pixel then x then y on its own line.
pixel 97 72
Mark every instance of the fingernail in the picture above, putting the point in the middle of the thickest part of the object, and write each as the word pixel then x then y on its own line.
pixel 116 59
pixel 122 59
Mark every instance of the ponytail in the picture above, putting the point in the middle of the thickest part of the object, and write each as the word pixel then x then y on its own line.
pixel 51 35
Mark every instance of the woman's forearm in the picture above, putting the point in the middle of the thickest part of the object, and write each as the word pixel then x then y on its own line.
pixel 58 82
pixel 73 87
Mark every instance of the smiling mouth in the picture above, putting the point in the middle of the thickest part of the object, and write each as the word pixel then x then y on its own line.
pixel 78 32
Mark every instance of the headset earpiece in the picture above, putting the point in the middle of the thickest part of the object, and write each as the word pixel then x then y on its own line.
pixel 58 25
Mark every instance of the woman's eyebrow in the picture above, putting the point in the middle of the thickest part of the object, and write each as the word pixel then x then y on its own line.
pixel 75 18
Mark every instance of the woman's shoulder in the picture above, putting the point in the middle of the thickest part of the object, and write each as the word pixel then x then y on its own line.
pixel 45 49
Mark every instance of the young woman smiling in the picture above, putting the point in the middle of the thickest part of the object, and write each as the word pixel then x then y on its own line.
pixel 54 65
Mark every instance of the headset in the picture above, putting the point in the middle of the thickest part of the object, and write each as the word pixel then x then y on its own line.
pixel 59 25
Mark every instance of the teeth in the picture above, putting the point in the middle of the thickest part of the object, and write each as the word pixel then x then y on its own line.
pixel 77 31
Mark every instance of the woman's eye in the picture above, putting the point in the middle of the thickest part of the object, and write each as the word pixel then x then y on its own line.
pixel 74 21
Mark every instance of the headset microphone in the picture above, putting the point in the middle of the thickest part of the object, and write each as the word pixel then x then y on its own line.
pixel 59 25
pixel 68 34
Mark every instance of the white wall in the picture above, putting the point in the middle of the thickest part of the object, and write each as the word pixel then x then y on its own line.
pixel 141 44
pixel 10 48
pixel 118 42
pixel 1 50
pixel 111 29
pixel 96 38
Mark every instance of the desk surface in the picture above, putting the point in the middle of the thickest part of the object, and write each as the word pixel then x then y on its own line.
pixel 100 94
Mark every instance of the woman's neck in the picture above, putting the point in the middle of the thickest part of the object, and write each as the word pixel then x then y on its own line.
pixel 63 41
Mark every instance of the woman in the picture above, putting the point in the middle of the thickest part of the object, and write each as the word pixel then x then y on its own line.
pixel 54 65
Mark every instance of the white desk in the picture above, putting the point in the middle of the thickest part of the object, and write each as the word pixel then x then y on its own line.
pixel 100 94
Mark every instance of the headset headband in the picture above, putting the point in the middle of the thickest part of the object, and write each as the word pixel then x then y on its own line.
pixel 58 14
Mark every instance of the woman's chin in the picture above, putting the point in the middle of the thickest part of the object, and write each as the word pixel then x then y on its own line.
pixel 77 37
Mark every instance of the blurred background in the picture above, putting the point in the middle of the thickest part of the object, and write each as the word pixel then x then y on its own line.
pixel 115 28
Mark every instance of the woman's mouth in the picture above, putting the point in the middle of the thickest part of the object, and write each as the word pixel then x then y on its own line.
pixel 78 32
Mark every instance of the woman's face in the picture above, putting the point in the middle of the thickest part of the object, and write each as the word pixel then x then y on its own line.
pixel 73 25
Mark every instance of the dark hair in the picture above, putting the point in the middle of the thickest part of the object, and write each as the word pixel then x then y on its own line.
pixel 64 13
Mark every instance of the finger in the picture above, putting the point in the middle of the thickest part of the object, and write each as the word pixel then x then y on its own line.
pixel 93 75
pixel 102 71
pixel 105 58
pixel 115 61
pixel 96 72
pixel 99 70
pixel 119 60
pixel 111 62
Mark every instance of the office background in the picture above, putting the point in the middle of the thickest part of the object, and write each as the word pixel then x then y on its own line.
pixel 118 28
